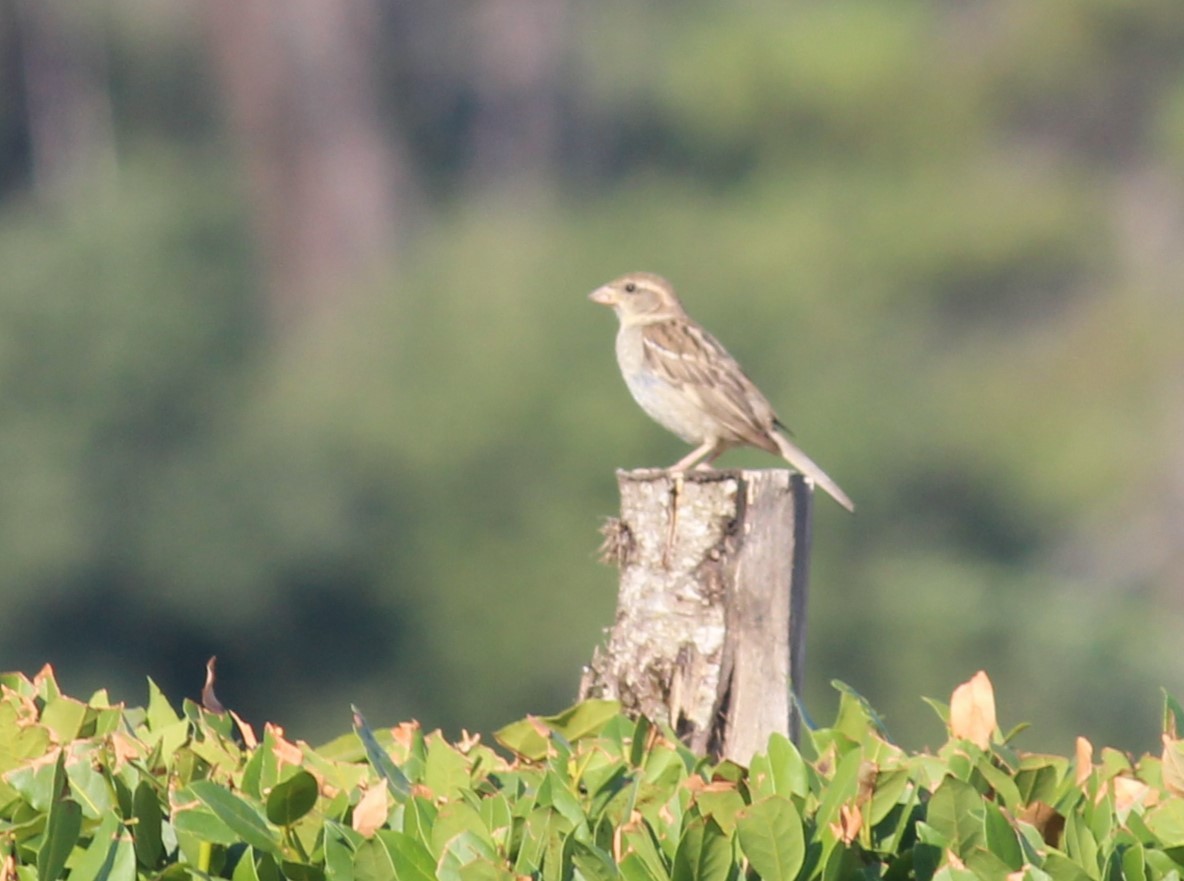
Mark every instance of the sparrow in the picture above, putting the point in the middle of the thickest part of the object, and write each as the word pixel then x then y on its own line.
pixel 686 381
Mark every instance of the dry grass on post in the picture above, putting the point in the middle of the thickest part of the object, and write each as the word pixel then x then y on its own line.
pixel 710 624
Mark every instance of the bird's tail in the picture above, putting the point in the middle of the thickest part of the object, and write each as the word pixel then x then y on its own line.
pixel 803 463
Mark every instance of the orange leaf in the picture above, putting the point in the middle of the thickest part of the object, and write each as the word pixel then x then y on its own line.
pixel 972 711
pixel 1173 765
pixel 245 729
pixel 372 811
pixel 1129 792
pixel 850 821
pixel 285 750
pixel 404 733
pixel 1085 760
pixel 1046 820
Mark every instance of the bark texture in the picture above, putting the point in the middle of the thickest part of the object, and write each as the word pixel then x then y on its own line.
pixel 710 624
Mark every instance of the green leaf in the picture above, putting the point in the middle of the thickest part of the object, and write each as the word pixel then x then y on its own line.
pixel 999 781
pixel 452 820
pixel 525 738
pixel 1079 844
pixel 294 871
pixel 245 869
pixel 146 833
pixel 1061 868
pixel 585 718
pixel 64 717
pixel 160 712
pixel 61 834
pixel 1173 716
pixel 856 717
pixel 956 813
pixel 1001 838
pixel 593 863
pixel 721 806
pixel 639 846
pixel 1134 863
pixel 243 819
pixel 770 834
pixel 1037 782
pixel 640 741
pixel 411 859
pixel 419 816
pixel 986 866
pixel 843 787
pixel 783 767
pixel 292 799
pixel 889 787
pixel 942 709
pixel 704 853
pixel 446 771
pixel 90 789
pixel 634 868
pixel 341 844
pixel 461 850
pixel 1166 822
pixel 111 855
pixel 40 784
pixel 396 780
pixel 204 825
pixel 373 862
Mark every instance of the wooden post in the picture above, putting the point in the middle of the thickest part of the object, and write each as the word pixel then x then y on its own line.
pixel 710 627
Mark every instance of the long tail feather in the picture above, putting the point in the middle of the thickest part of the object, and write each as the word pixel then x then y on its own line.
pixel 803 463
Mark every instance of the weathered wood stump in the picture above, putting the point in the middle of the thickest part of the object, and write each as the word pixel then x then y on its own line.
pixel 710 625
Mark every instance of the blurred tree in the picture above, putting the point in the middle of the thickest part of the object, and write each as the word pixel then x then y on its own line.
pixel 331 190
pixel 517 73
pixel 62 47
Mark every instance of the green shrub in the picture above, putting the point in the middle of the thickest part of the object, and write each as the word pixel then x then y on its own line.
pixel 96 792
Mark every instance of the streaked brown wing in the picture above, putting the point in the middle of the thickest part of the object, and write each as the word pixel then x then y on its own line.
pixel 687 356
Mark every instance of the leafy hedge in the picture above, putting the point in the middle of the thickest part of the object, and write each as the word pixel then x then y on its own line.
pixel 94 791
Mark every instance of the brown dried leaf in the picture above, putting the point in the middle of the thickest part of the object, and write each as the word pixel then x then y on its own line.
pixel 209 700
pixel 285 751
pixel 1046 820
pixel 1085 760
pixel 1129 792
pixel 245 729
pixel 1172 766
pixel 867 781
pixel 467 741
pixel 972 710
pixel 126 748
pixel 404 733
pixel 372 811
pixel 849 823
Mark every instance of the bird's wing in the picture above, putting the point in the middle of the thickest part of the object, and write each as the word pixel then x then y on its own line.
pixel 685 355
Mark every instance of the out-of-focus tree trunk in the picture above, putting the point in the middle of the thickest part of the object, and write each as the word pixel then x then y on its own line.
pixel 63 67
pixel 329 187
pixel 518 48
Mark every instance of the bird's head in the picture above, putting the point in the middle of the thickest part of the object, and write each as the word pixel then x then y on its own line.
pixel 639 298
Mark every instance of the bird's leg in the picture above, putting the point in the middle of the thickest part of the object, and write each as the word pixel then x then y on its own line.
pixel 714 453
pixel 707 448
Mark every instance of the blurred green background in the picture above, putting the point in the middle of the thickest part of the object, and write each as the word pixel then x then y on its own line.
pixel 297 369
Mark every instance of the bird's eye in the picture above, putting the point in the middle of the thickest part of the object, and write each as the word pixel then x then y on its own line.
pixel 630 288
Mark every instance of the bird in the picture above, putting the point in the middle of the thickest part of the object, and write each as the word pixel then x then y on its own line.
pixel 686 381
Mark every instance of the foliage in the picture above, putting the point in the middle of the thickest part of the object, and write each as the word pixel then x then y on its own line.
pixel 98 792
pixel 942 237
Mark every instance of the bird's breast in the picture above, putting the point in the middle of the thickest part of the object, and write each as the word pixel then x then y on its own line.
pixel 670 406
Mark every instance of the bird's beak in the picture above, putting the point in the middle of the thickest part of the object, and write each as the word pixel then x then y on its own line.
pixel 604 295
